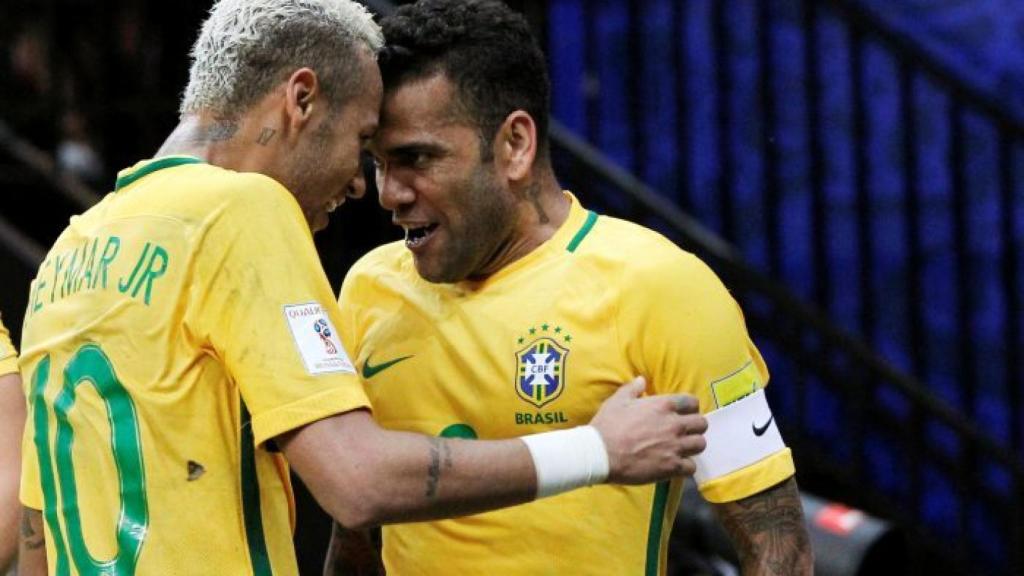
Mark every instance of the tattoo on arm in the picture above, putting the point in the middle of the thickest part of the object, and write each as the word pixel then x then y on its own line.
pixel 266 135
pixel 768 531
pixel 439 450
pixel 31 537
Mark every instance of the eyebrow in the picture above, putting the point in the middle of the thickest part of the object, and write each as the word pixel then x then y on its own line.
pixel 415 148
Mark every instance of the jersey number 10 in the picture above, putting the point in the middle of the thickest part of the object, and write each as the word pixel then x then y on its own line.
pixel 89 364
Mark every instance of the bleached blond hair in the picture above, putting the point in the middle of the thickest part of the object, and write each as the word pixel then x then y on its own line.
pixel 246 47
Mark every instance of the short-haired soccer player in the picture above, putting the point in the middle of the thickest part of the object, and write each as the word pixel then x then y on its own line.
pixel 517 311
pixel 180 343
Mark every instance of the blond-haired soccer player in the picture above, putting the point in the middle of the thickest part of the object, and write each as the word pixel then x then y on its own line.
pixel 517 310
pixel 180 344
pixel 12 420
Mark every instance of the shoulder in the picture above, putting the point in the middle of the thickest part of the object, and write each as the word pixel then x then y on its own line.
pixel 387 259
pixel 201 196
pixel 244 192
pixel 640 256
pixel 388 264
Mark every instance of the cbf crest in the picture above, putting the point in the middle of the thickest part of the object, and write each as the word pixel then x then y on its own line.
pixel 541 365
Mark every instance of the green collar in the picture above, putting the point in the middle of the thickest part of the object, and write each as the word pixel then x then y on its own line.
pixel 169 162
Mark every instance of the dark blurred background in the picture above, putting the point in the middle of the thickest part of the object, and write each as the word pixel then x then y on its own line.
pixel 852 169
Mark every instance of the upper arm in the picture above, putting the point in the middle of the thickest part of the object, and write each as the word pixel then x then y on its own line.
pixel 263 305
pixel 687 333
pixel 334 458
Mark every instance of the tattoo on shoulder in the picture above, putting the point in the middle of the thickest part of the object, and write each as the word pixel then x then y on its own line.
pixel 30 538
pixel 440 452
pixel 768 529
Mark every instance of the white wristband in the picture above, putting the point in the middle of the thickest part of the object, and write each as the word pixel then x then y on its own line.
pixel 567 459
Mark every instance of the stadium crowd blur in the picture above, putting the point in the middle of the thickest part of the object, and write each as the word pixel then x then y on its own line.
pixel 93 83
pixel 96 83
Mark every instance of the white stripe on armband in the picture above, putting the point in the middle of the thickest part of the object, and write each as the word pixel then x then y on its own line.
pixel 567 459
pixel 738 435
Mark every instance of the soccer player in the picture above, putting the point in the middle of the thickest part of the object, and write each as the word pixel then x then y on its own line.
pixel 180 344
pixel 12 420
pixel 516 310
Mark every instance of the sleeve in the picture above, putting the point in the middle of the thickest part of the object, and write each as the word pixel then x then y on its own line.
pixel 266 308
pixel 8 354
pixel 687 334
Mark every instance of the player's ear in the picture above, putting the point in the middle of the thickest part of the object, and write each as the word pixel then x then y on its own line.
pixel 302 96
pixel 516 145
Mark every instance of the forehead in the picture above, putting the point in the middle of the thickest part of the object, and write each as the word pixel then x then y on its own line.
pixel 422 108
pixel 367 99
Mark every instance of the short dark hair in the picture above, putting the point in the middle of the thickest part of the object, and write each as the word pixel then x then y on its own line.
pixel 484 48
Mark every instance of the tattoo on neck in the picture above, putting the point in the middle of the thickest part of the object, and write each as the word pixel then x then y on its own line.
pixel 534 193
pixel 266 135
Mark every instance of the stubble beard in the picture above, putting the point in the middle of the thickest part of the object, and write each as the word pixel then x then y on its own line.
pixel 486 229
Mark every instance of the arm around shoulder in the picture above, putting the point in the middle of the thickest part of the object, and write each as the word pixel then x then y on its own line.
pixel 364 475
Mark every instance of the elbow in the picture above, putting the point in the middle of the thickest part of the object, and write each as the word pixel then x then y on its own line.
pixel 360 510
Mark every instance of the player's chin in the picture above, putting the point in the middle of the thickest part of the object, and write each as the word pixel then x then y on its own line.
pixel 428 269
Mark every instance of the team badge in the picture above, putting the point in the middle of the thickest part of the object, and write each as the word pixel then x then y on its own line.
pixel 540 368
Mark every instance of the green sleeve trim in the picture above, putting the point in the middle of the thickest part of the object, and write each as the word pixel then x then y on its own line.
pixel 654 532
pixel 251 509
pixel 583 231
pixel 153 166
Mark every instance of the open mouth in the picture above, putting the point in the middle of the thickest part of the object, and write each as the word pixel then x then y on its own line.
pixel 417 236
pixel 332 205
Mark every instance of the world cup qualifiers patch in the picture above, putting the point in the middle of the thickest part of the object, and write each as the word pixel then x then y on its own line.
pixel 316 339
pixel 737 385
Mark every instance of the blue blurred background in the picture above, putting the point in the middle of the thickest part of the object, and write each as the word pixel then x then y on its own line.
pixel 852 168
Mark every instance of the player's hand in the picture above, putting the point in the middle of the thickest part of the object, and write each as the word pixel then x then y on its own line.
pixel 649 439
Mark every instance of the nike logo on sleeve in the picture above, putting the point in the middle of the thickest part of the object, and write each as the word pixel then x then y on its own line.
pixel 370 370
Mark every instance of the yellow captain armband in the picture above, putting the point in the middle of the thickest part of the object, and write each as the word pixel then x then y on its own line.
pixel 739 435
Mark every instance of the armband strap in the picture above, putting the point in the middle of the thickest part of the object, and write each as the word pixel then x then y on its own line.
pixel 739 434
pixel 567 459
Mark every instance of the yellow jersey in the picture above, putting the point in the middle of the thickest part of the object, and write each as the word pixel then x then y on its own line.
pixel 8 354
pixel 172 332
pixel 538 346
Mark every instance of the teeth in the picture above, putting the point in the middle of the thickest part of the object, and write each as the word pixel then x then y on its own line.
pixel 333 205
pixel 416 236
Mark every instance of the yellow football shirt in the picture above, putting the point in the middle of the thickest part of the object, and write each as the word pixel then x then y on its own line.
pixel 184 302
pixel 8 354
pixel 538 346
